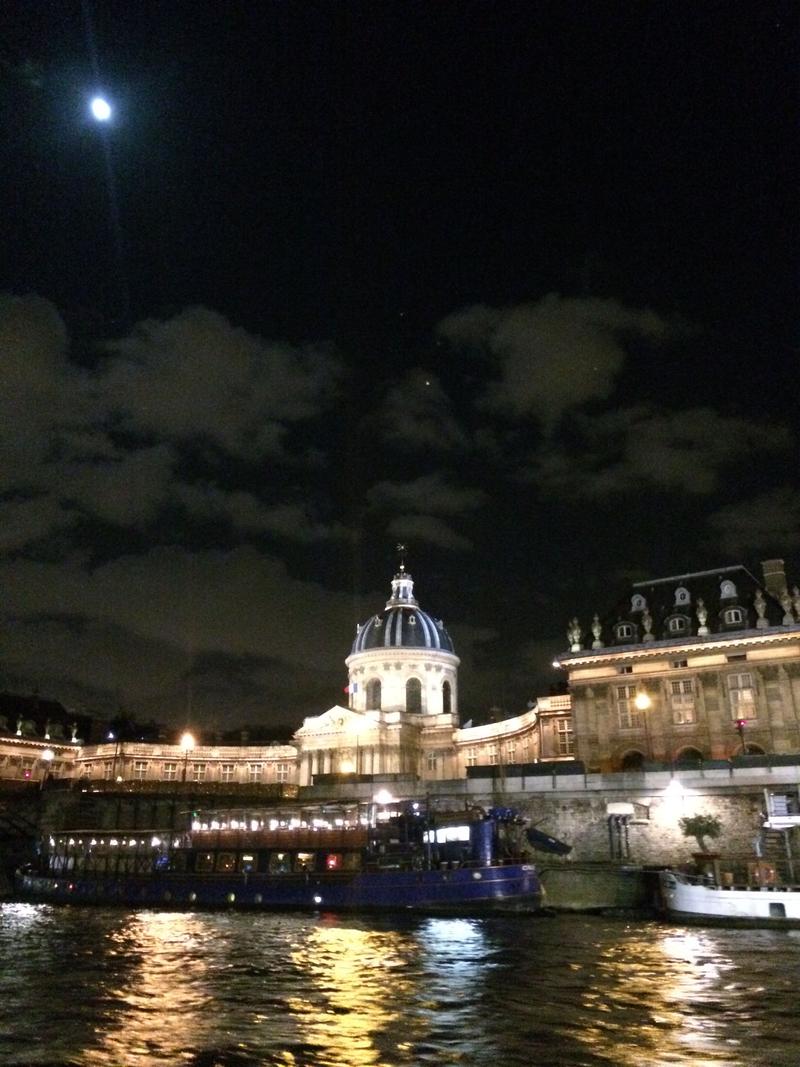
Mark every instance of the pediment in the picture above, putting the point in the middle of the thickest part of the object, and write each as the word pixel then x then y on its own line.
pixel 335 720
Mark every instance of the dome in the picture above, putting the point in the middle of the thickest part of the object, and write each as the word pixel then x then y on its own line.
pixel 402 624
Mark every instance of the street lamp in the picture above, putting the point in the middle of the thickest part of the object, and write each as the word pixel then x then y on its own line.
pixel 643 703
pixel 740 726
pixel 47 758
pixel 187 744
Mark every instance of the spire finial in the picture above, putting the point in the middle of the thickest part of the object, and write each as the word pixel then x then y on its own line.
pixel 401 549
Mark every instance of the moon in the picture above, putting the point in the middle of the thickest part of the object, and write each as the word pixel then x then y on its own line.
pixel 101 109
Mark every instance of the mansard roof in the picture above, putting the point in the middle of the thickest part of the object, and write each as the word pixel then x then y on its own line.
pixel 723 601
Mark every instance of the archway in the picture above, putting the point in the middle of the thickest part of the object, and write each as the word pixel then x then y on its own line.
pixel 414 695
pixel 633 761
pixel 689 757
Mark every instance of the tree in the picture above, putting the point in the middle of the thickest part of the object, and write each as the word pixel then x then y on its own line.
pixel 700 827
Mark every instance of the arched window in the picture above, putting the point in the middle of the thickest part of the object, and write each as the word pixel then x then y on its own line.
pixel 414 695
pixel 447 698
pixel 734 616
pixel 374 694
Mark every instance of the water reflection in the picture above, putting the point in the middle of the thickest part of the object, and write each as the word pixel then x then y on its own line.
pixel 358 983
pixel 162 1006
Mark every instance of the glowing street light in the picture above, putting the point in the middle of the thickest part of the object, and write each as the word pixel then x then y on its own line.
pixel 100 109
pixel 643 703
pixel 187 744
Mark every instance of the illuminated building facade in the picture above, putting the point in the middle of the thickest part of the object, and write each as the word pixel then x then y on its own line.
pixel 402 718
pixel 691 668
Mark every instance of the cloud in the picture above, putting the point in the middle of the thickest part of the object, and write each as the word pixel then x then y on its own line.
pixel 417 415
pixel 768 523
pixel 114 443
pixel 642 448
pixel 428 529
pixel 246 512
pixel 195 376
pixel 553 355
pixel 429 493
pixel 95 629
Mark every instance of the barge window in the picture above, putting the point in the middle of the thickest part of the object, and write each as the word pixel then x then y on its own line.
pixel 351 861
pixel 333 861
pixel 280 863
pixel 204 861
pixel 247 862
pixel 226 862
pixel 304 861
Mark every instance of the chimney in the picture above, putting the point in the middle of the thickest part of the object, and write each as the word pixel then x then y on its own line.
pixel 774 577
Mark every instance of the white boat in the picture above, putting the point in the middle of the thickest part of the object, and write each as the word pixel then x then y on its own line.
pixel 695 899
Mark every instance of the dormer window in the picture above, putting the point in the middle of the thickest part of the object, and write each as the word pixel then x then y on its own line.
pixel 682 595
pixel 638 602
pixel 727 589
pixel 678 624
pixel 733 616
pixel 624 631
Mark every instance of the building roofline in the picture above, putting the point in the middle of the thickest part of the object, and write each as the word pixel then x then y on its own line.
pixel 658 648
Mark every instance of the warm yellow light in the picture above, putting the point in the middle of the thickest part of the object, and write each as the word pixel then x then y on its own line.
pixel 347 766
pixel 187 742
pixel 642 701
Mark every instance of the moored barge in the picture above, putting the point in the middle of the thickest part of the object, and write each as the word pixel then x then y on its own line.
pixel 330 857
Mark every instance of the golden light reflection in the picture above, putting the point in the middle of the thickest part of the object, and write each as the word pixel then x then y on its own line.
pixel 360 984
pixel 164 1005
pixel 644 1003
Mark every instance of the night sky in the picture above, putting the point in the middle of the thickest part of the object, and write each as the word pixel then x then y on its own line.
pixel 513 283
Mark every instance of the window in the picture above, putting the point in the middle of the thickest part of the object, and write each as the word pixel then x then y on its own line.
pixel 630 718
pixel 471 757
pixel 624 630
pixel 254 772
pixel 374 694
pixel 682 700
pixel 681 595
pixel 431 761
pixel 566 737
pixel 638 602
pixel 511 752
pixel 282 772
pixel 678 663
pixel 446 698
pixel 140 769
pixel 226 862
pixel 625 670
pixel 727 589
pixel 494 754
pixel 733 616
pixel 227 772
pixel 677 625
pixel 170 772
pixel 198 772
pixel 742 695
pixel 414 695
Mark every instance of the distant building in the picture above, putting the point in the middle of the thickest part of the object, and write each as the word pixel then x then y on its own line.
pixel 693 667
pixel 402 718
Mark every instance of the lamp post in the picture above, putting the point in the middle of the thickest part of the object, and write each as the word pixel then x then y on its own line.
pixel 644 703
pixel 187 744
pixel 47 758
pixel 740 727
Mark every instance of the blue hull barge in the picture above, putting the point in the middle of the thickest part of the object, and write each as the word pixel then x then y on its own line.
pixel 391 856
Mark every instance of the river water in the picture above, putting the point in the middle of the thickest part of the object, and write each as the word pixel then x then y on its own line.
pixel 107 987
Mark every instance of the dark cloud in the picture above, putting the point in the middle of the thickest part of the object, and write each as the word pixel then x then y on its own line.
pixel 429 530
pixel 418 416
pixel 430 493
pixel 196 376
pixel 767 523
pixel 642 448
pixel 553 355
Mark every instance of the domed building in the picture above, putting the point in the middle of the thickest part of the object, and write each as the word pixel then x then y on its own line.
pixel 403 698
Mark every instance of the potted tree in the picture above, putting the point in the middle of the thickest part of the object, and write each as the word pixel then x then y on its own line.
pixel 701 827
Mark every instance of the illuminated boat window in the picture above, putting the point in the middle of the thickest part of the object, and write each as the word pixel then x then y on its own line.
pixel 204 861
pixel 304 861
pixel 333 861
pixel 280 863
pixel 226 862
pixel 247 862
